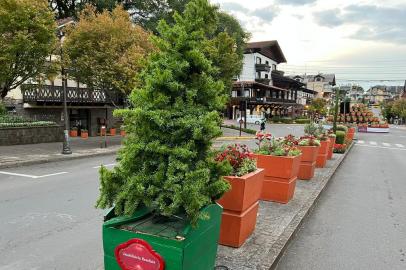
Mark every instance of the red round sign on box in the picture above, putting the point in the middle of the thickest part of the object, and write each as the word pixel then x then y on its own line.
pixel 137 254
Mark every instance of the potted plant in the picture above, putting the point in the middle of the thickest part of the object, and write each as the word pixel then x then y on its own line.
pixel 240 203
pixel 165 186
pixel 321 159
pixel 332 138
pixel 309 146
pixel 122 131
pixel 73 132
pixel 84 133
pixel 281 159
pixel 112 131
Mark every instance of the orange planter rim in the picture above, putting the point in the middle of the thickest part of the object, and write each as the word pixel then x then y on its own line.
pixel 245 176
pixel 290 157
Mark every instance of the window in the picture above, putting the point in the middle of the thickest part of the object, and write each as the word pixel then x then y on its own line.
pixel 267 62
pixel 318 79
pixel 273 67
pixel 259 60
pixel 234 94
pixel 266 76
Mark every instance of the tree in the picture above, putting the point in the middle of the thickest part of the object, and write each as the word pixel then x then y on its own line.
pixel 106 50
pixel 387 110
pixel 399 108
pixel 318 106
pixel 167 163
pixel 27 37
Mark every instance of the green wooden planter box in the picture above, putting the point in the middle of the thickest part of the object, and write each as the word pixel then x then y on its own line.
pixel 181 246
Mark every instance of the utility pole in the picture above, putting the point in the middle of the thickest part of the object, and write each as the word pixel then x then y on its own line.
pixel 336 109
pixel 66 146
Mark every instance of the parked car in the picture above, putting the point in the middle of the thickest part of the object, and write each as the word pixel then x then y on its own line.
pixel 253 119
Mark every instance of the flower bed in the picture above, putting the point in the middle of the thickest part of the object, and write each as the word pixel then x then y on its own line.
pixel 9 121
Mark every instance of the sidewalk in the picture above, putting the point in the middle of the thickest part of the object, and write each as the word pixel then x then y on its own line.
pixel 20 155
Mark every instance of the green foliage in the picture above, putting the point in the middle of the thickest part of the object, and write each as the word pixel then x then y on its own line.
pixel 340 137
pixel 399 108
pixel 166 163
pixel 309 142
pixel 277 147
pixel 106 51
pixel 318 105
pixel 311 129
pixel 387 110
pixel 286 120
pixel 27 37
pixel 247 166
pixel 9 121
pixel 3 109
pixel 302 121
pixel 342 128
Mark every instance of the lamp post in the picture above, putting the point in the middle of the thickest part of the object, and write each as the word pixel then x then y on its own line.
pixel 66 146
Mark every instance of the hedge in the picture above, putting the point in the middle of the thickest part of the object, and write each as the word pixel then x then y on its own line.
pixel 340 137
pixel 302 121
pixel 246 130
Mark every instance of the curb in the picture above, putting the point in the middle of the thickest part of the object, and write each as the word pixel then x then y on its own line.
pixel 235 138
pixel 56 159
pixel 280 246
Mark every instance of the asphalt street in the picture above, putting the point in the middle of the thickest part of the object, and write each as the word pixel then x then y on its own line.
pixel 360 219
pixel 48 219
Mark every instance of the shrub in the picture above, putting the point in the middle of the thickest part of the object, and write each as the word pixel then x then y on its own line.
pixel 239 158
pixel 246 130
pixel 340 137
pixel 342 128
pixel 166 163
pixel 276 119
pixel 286 120
pixel 302 121
pixel 3 109
pixel 311 129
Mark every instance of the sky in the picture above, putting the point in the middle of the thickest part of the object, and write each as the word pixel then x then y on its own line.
pixel 362 41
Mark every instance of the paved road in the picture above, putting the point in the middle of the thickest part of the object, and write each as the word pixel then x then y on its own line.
pixel 48 219
pixel 360 219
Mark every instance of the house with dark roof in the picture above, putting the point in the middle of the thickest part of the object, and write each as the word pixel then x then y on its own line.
pixel 320 83
pixel 262 86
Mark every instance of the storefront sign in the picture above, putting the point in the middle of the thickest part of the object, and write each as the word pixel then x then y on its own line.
pixel 137 254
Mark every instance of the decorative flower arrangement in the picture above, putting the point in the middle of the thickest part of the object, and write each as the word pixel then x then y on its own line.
pixel 340 148
pixel 240 159
pixel 285 146
pixel 308 141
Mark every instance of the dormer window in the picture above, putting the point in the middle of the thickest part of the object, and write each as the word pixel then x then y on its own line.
pixel 267 63
pixel 318 79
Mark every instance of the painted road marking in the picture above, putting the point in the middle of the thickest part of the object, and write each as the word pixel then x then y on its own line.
pixel 373 143
pixel 386 144
pixel 31 176
pixel 382 147
pixel 361 142
pixel 105 165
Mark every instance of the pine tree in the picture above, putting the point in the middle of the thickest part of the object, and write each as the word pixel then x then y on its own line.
pixel 167 163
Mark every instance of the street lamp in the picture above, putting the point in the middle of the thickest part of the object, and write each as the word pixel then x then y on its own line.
pixel 66 146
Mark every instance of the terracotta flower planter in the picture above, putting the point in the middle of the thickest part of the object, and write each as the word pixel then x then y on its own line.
pixel 122 133
pixel 308 162
pixel 112 131
pixel 240 208
pixel 323 153
pixel 331 148
pixel 84 135
pixel 350 134
pixel 279 178
pixel 73 133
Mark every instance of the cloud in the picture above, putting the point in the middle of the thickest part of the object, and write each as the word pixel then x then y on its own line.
pixel 233 7
pixel 266 14
pixel 330 18
pixel 295 2
pixel 376 23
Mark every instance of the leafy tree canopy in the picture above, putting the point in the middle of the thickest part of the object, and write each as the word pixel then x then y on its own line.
pixel 27 37
pixel 105 50
pixel 399 108
pixel 318 105
pixel 166 163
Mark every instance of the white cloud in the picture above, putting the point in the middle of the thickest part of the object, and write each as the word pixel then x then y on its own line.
pixel 325 33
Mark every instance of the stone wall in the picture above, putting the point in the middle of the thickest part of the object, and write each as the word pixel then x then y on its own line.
pixel 30 135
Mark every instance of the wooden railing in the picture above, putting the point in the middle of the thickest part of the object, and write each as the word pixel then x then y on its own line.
pixel 54 94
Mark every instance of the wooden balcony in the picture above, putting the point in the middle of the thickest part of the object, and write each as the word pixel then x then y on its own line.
pixel 265 81
pixel 262 67
pixel 81 96
pixel 262 100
